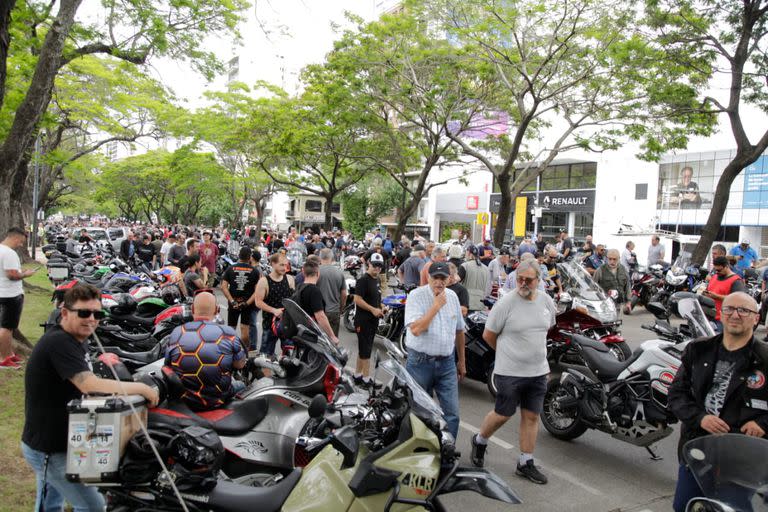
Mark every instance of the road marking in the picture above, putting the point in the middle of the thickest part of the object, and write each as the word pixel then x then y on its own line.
pixel 561 474
pixel 495 440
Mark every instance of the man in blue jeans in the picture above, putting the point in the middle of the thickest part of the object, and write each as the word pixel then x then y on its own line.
pixel 59 371
pixel 434 332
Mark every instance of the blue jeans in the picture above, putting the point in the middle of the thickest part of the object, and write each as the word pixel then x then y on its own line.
pixel 268 342
pixel 253 336
pixel 58 488
pixel 438 375
pixel 687 489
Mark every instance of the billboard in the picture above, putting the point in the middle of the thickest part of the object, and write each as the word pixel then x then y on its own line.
pixel 756 184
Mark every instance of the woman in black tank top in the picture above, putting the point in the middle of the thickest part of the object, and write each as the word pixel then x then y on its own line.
pixel 276 292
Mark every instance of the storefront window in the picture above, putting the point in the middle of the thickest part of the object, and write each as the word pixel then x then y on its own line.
pixel 550 223
pixel 582 225
pixel 313 206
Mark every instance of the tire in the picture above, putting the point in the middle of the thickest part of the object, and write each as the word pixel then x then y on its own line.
pixel 620 351
pixel 633 302
pixel 348 318
pixel 557 423
pixel 401 343
pixel 490 382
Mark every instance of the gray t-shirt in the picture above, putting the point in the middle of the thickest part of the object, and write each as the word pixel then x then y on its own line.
pixel 522 325
pixel 331 283
pixel 655 254
pixel 412 270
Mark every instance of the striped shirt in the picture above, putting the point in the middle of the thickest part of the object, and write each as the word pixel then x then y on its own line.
pixel 440 338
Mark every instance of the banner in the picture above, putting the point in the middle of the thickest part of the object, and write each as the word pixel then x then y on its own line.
pixel 521 207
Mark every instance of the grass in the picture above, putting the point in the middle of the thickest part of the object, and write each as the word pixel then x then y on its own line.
pixel 17 481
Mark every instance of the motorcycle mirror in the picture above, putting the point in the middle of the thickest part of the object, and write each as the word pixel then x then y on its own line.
pixel 658 310
pixel 318 406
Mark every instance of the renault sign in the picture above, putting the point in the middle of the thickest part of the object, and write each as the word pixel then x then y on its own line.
pixel 556 201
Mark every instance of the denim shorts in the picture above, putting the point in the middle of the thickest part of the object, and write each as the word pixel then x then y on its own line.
pixel 527 392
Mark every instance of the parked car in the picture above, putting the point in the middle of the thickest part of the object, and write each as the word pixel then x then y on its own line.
pixel 116 236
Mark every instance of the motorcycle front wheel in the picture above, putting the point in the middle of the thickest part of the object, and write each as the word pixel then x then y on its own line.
pixel 491 383
pixel 620 351
pixel 562 425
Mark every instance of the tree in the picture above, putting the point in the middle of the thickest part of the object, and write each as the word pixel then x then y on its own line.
pixel 728 37
pixel 367 201
pixel 571 75
pixel 130 30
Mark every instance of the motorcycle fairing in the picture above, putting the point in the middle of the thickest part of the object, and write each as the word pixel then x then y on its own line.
pixel 482 482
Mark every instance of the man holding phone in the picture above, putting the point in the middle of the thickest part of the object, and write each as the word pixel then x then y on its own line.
pixel 11 294
pixel 724 282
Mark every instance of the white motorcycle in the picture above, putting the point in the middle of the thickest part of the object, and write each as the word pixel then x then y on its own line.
pixel 626 399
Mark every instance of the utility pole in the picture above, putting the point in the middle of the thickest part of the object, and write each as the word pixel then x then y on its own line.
pixel 35 197
pixel 536 208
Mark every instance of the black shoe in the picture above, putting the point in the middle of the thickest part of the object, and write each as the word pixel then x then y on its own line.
pixel 531 472
pixel 477 456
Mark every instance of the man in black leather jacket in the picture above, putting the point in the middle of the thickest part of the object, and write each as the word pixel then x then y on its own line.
pixel 721 385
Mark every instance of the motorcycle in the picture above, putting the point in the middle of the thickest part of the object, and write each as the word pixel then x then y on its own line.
pixel 681 276
pixel 730 471
pixel 388 449
pixel 628 399
pixel 645 283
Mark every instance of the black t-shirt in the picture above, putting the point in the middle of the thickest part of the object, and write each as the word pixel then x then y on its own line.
pixel 275 245
pixel 176 253
pixel 368 289
pixel 404 254
pixel 461 293
pixel 145 252
pixel 384 254
pixel 311 299
pixel 726 365
pixel 242 279
pixel 56 358
pixel 567 244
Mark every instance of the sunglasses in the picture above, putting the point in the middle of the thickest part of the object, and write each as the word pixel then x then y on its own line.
pixel 742 312
pixel 98 314
pixel 527 280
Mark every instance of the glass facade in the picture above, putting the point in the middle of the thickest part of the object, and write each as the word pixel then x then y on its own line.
pixel 563 177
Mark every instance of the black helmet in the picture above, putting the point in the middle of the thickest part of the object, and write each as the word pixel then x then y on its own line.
pixel 171 294
pixel 120 283
pixel 198 455
pixel 126 304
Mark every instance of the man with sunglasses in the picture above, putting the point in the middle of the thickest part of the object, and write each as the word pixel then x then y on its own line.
pixel 721 385
pixel 724 282
pixel 58 371
pixel 517 330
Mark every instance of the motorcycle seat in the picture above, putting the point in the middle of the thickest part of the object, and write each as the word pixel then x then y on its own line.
pixel 241 498
pixel 599 359
pixel 234 419
pixel 150 356
pixel 133 319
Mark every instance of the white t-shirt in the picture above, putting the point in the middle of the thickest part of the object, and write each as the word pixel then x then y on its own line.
pixel 164 251
pixel 522 325
pixel 9 260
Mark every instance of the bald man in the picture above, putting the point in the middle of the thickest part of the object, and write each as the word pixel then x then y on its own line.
pixel 721 385
pixel 214 352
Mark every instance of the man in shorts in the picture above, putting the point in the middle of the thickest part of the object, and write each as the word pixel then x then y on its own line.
pixel 11 294
pixel 368 311
pixel 517 329
pixel 238 284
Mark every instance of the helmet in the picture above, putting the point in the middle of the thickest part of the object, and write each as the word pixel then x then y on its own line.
pixel 142 292
pixel 171 294
pixel 455 251
pixel 139 464
pixel 198 455
pixel 125 304
pixel 120 282
pixel 151 306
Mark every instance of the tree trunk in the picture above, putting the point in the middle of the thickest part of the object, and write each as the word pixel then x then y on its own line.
pixel 328 222
pixel 260 203
pixel 402 217
pixel 6 7
pixel 505 208
pixel 719 204
pixel 27 116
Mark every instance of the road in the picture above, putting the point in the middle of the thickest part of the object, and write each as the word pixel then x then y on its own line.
pixel 592 473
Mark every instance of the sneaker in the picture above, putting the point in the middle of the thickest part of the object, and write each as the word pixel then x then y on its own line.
pixel 16 359
pixel 477 456
pixel 9 364
pixel 531 472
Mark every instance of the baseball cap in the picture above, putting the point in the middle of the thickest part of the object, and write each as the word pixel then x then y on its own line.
pixel 377 260
pixel 439 268
pixel 744 241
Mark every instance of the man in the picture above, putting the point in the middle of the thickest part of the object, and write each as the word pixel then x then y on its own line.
pixel 438 255
pixel 454 284
pixel 145 252
pixel 687 190
pixel 207 377
pixel 613 276
pixel 270 292
pixel 541 244
pixel 71 245
pixel 409 271
pixel 127 247
pixel 456 254
pixel 209 253
pixel 276 244
pixel 655 252
pixel 526 246
pixel 499 267
pixel 434 334
pixel 596 260
pixel 628 257
pixel 587 249
pixel 170 241
pixel 310 298
pixel 745 256
pixel 11 294
pixel 404 253
pixel 238 284
pixel 517 330
pixel 566 246
pixel 59 371
pixel 367 312
pixel 192 250
pixel 193 281
pixel 722 284
pixel 511 282
pixel 177 250
pixel 476 278
pixel 376 247
pixel 333 286
pixel 487 252
pixel 720 386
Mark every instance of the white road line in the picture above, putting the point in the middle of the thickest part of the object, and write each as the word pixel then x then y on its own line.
pixel 561 474
pixel 498 442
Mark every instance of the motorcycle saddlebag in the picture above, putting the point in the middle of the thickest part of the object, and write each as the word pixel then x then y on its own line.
pixel 58 270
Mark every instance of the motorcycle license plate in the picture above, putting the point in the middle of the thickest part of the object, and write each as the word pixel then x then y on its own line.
pixel 58 273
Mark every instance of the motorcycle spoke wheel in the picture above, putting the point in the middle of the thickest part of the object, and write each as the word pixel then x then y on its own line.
pixel 560 424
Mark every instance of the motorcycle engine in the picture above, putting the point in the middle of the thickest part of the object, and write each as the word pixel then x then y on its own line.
pixel 621 409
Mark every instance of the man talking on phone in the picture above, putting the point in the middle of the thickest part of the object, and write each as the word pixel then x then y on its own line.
pixel 724 282
pixel 11 295
pixel 434 333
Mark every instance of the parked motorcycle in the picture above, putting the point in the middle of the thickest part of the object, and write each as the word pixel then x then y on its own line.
pixel 681 276
pixel 645 283
pixel 628 399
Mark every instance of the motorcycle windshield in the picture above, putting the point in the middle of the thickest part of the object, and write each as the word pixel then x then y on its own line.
pixel 691 311
pixel 681 264
pixel 577 281
pixel 731 468
pixel 422 404
pixel 324 344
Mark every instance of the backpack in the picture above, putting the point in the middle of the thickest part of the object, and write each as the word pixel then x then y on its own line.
pixel 284 327
pixel 388 245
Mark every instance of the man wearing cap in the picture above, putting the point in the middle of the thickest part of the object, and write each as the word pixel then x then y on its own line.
pixel 438 254
pixel 368 311
pixel 723 283
pixel 376 248
pixel 745 255
pixel 409 270
pixel 486 252
pixel 434 330
pixel 499 267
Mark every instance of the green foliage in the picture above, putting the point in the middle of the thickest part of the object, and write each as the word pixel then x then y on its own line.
pixel 368 201
pixel 446 228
